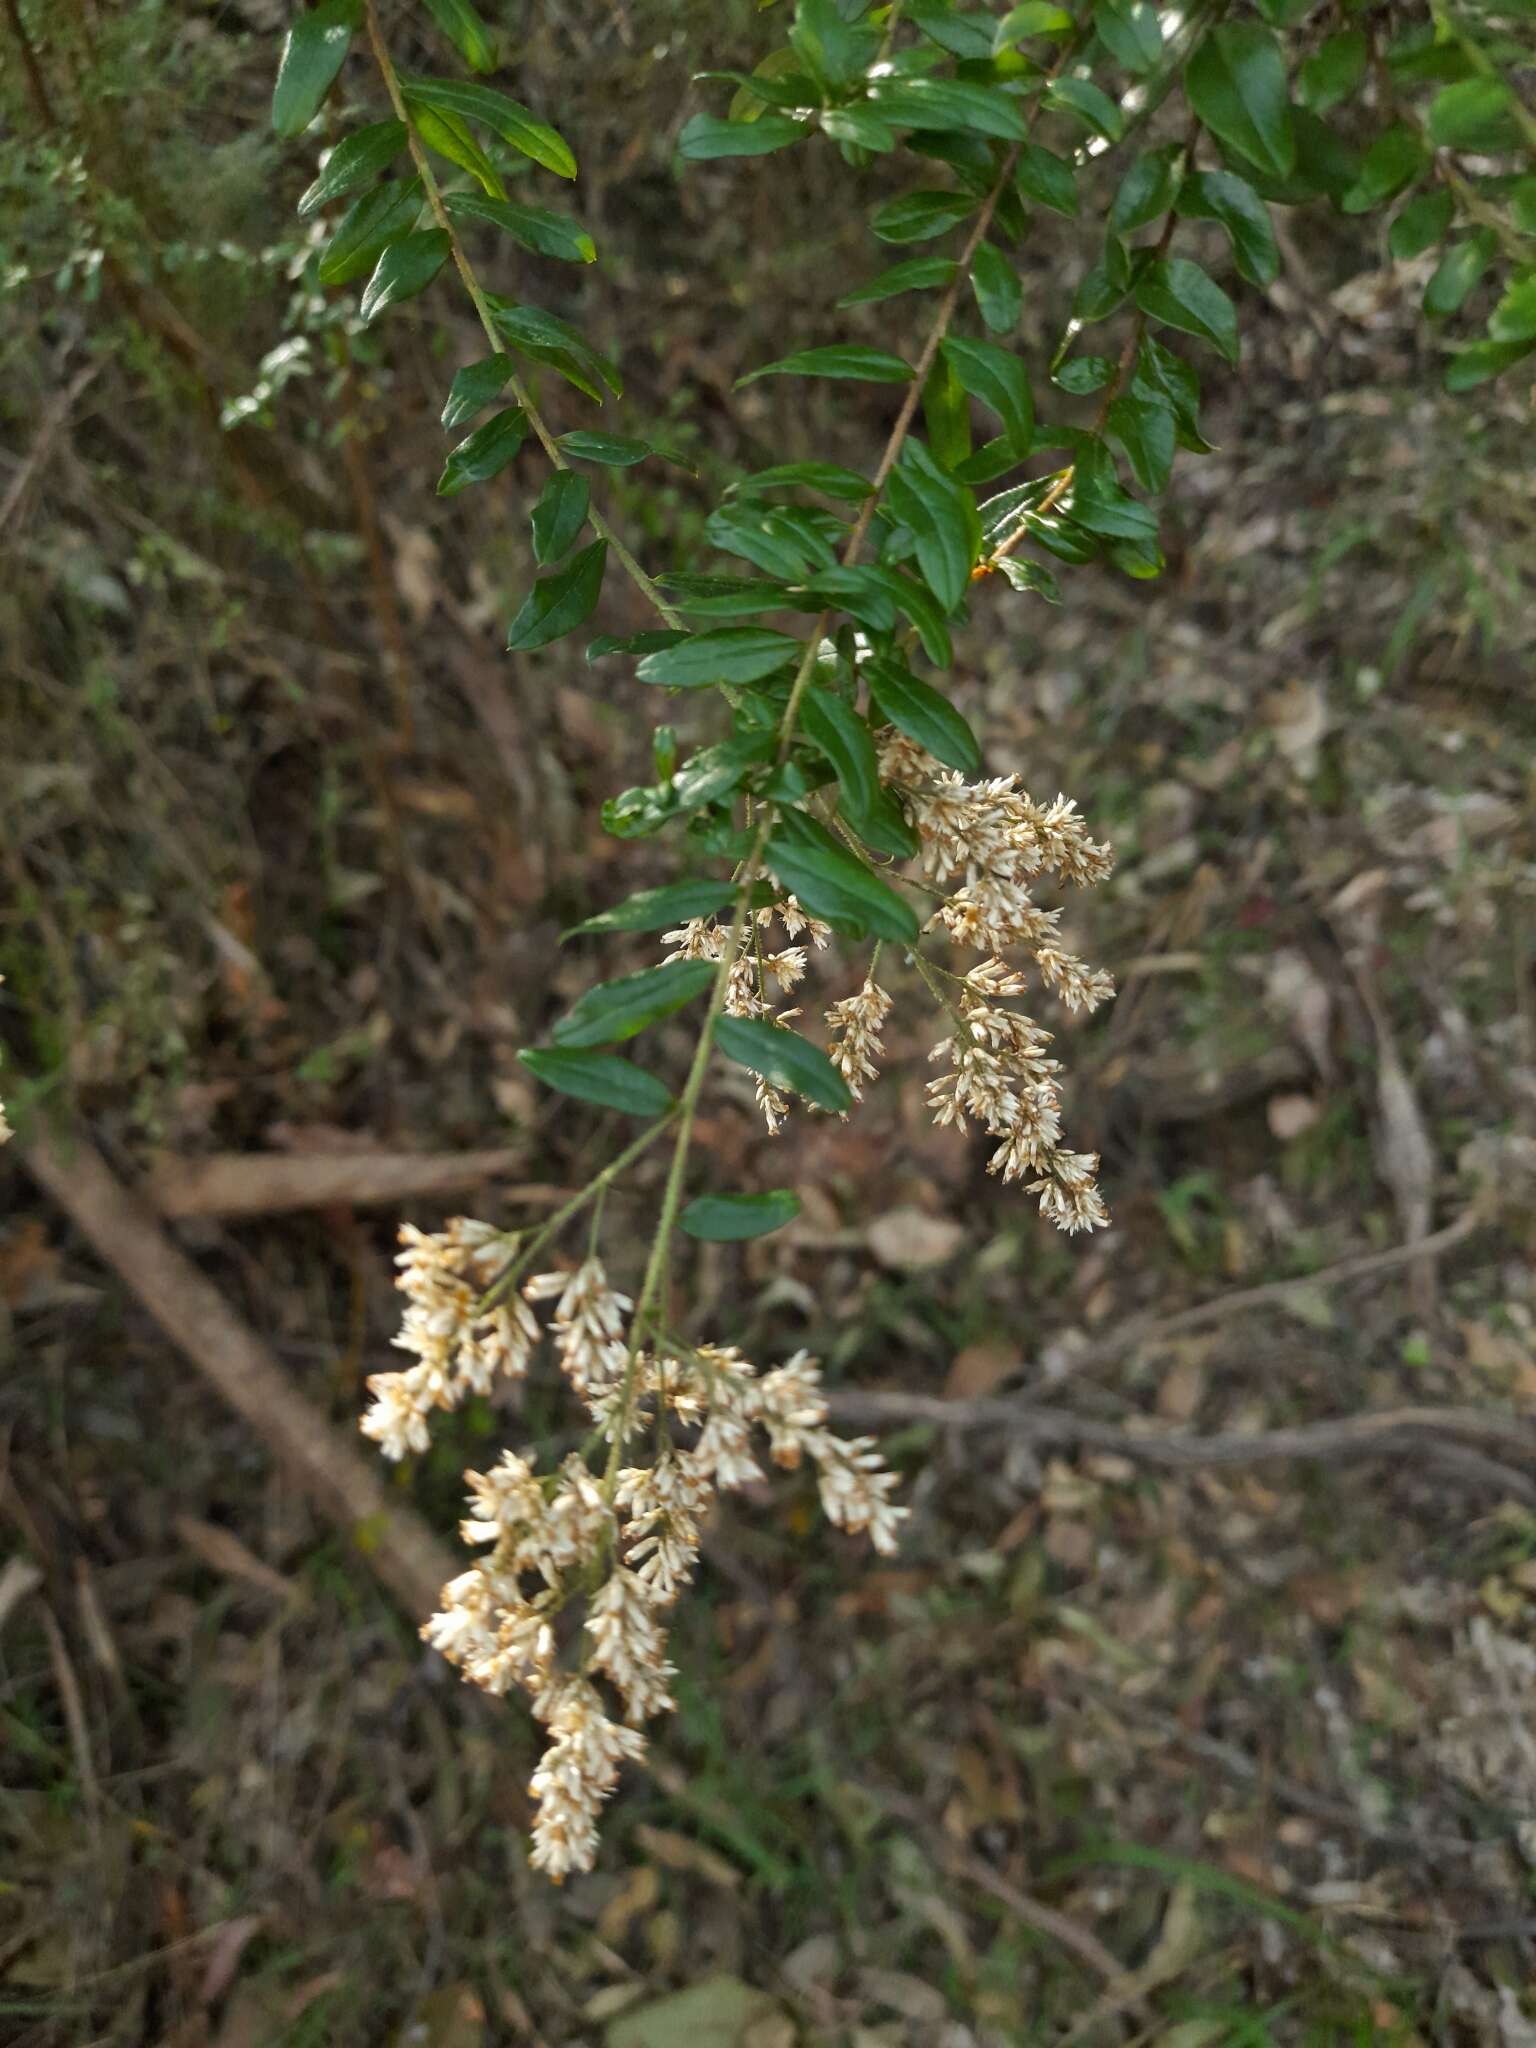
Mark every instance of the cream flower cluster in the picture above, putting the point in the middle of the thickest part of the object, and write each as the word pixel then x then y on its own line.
pixel 610 1550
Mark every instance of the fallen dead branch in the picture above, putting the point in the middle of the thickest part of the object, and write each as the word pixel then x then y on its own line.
pixel 341 1483
pixel 266 1183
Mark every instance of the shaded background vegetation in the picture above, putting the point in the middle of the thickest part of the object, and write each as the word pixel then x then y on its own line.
pixel 287 843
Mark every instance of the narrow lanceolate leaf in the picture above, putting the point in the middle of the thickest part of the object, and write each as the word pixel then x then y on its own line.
pixel 828 477
pixel 1483 360
pixel 652 910
pixel 726 1219
pixel 1235 82
pixel 1089 102
pixel 535 227
pixel 367 228
pixel 613 451
pixel 482 104
pixel 941 103
pixel 558 604
pixel 600 1077
pixel 916 603
pixel 488 449
pixel 734 654
pixel 999 295
pixel 314 50
pixel 466 31
pixel 832 725
pixel 923 714
pixel 832 884
pixel 784 1058
pixel 998 378
pixel 1145 429
pixel 842 359
pixel 474 386
pixel 453 138
pixel 919 216
pixel 1218 195
pixel 1422 223
pixel 1180 294
pixel 946 415
pixel 1046 178
pixel 559 515
pixel 942 516
pixel 616 1010
pixel 533 332
pixel 919 273
pixel 355 161
pixel 704 137
pixel 406 268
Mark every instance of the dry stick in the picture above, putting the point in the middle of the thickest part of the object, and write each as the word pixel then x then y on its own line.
pixel 391 1538
pixel 272 1183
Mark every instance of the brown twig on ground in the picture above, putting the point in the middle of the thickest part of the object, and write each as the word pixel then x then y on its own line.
pixel 42 445
pixel 266 1183
pixel 343 1485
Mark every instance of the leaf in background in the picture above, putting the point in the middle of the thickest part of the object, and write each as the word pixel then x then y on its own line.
pixel 1483 360
pixel 942 516
pixel 923 714
pixel 1394 160
pixel 1477 113
pixel 613 451
pixel 1080 96
pixel 488 449
pixel 526 134
pixel 725 1219
pixel 1513 319
pixel 559 515
pixel 1333 71
pixel 1458 271
pixel 466 31
pixel 858 126
pixel 999 295
pixel 1235 82
pixel 353 162
pixel 999 379
pixel 314 50
pixel 367 228
pixel 1033 18
pixel 919 216
pixel 841 359
pixel 784 1058
pixel 734 654
pixel 1422 223
pixel 535 227
pixel 599 1077
pixel 1180 294
pixel 917 274
pixel 474 386
pixel 704 137
pixel 1218 195
pixel 619 1009
pixel 1046 178
pixel 652 910
pixel 1129 30
pixel 533 332
pixel 558 604
pixel 405 268
pixel 830 883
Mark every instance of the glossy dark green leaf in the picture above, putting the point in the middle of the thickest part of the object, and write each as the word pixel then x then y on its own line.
pixel 355 161
pixel 942 516
pixel 919 273
pixel 1459 270
pixel 831 883
pixel 1099 503
pixel 652 910
pixel 633 643
pixel 1180 294
pixel 1046 178
pixel 559 603
pixel 726 1219
pixel 999 294
pixel 918 606
pixel 612 451
pixel 1022 574
pixel 1422 223
pixel 488 449
pixel 831 724
pixel 718 771
pixel 1476 113
pixel 533 332
pixel 946 415
pixel 832 46
pixel 860 127
pixel 943 103
pixel 860 590
pixel 963 34
pixel 314 50
pixel 1394 160
pixel 1146 191
pixel 1484 360
pixel 734 654
pixel 616 1010
pixel 1219 195
pixel 923 714
pixel 367 228
pixel 1129 30
pixel 782 547
pixel 473 387
pixel 535 227
pixel 784 1058
pixel 598 1077
pixel 730 597
pixel 453 138
pixel 1235 82
pixel 1082 375
pixel 466 31
pixel 1103 287
pixel 405 268
pixel 1163 374
pixel 828 477
pixel 999 379
pixel 704 138
pixel 559 515
pixel 1334 70
pixel 1145 429
pixel 841 359
pixel 1089 102
pixel 919 216
pixel 482 104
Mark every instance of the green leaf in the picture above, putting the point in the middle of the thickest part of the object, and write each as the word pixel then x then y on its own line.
pixel 829 477
pixel 923 714
pixel 1475 114
pixel 734 654
pixel 613 451
pixel 1082 375
pixel 1458 271
pixel 482 104
pixel 830 883
pixel 842 359
pixel 1103 288
pixel 558 604
pixel 1129 30
pixel 1235 82
pixel 1145 429
pixel 915 601
pixel 367 228
pixel 1033 18
pixel 600 1077
pixel 1422 223
pixel 716 772
pixel 730 597
pixel 858 127
pixel 1394 160
pixel 1033 577
pixel 1219 195
pixel 784 1058
pixel 454 139
pixel 314 50
pixel 829 45
pixel 652 910
pixel 1146 191
pixel 466 31
pixel 999 379
pixel 535 227
pixel 704 137
pixel 355 161
pixel 999 295
pixel 943 103
pixel 1483 360
pixel 616 1010
pixel 1100 505
pixel 771 537
pixel 405 268
pixel 559 515
pixel 831 724
pixel 1180 294
pixel 474 386
pixel 533 332
pixel 919 216
pixel 963 35
pixel 1513 319
pixel 859 590
pixel 941 514
pixel 1046 178
pixel 917 274
pixel 946 416
pixel 488 449
pixel 1522 204
pixel 1089 102
pixel 1162 374
pixel 1333 71
pixel 724 1219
